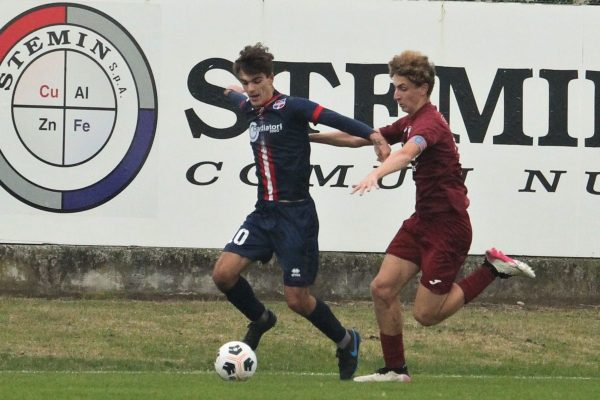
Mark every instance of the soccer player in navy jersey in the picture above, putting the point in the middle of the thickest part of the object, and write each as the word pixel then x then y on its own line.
pixel 435 240
pixel 284 221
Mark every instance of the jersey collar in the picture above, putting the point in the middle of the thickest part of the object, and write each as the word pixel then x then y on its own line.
pixel 262 108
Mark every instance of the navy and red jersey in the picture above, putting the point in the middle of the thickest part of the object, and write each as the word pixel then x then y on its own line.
pixel 436 171
pixel 279 139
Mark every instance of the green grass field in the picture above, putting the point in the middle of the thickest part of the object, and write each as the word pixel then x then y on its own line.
pixel 123 349
pixel 267 385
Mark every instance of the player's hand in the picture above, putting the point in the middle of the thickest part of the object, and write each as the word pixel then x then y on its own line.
pixel 382 151
pixel 368 183
pixel 234 88
pixel 381 146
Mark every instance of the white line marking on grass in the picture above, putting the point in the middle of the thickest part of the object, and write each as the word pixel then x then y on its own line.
pixel 306 373
pixel 532 377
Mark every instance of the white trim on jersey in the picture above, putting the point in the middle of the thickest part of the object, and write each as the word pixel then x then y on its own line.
pixel 264 152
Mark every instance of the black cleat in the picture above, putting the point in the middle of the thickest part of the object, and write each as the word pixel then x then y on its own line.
pixel 348 356
pixel 257 328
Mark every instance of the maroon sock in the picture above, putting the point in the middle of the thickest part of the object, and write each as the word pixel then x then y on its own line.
pixel 393 350
pixel 476 282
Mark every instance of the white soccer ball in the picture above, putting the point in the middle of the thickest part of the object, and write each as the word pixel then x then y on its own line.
pixel 236 361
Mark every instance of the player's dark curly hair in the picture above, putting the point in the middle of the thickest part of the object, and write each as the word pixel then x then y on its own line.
pixel 415 66
pixel 254 60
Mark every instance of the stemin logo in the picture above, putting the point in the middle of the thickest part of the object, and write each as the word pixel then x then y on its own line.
pixel 82 100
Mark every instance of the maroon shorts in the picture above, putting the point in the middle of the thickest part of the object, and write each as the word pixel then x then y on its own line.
pixel 437 243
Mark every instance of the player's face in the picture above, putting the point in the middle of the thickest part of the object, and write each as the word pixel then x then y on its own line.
pixel 258 87
pixel 409 96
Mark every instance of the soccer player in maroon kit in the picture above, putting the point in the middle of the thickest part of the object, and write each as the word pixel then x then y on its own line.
pixel 435 240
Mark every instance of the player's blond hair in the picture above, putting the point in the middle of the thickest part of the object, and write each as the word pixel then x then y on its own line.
pixel 414 66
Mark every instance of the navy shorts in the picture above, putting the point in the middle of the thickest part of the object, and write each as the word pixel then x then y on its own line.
pixel 290 230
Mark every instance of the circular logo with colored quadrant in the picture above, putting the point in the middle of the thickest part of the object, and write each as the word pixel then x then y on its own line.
pixel 78 106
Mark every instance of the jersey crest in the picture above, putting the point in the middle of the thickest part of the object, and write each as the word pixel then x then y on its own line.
pixel 279 104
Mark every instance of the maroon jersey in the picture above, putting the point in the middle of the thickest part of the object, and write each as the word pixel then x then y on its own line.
pixel 436 171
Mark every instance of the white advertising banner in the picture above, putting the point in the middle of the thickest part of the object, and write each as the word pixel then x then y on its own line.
pixel 114 129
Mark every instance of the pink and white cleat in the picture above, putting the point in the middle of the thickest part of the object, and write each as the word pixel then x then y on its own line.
pixel 505 267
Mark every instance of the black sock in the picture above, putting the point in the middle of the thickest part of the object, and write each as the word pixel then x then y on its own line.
pixel 326 322
pixel 243 298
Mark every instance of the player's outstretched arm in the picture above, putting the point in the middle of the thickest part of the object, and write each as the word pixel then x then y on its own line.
pixel 343 139
pixel 338 138
pixel 395 162
pixel 346 127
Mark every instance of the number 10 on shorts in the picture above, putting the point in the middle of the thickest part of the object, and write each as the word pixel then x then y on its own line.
pixel 240 237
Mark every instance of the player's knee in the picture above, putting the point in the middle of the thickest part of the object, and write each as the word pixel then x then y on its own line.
pixel 295 305
pixel 425 317
pixel 220 281
pixel 382 292
pixel 298 304
pixel 223 278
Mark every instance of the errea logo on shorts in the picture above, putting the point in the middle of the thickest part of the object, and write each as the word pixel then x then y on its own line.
pixel 78 105
pixel 295 273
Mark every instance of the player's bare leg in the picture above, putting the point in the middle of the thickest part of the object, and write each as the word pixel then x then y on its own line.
pixel 299 300
pixel 392 277
pixel 431 308
pixel 227 277
pixel 228 269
